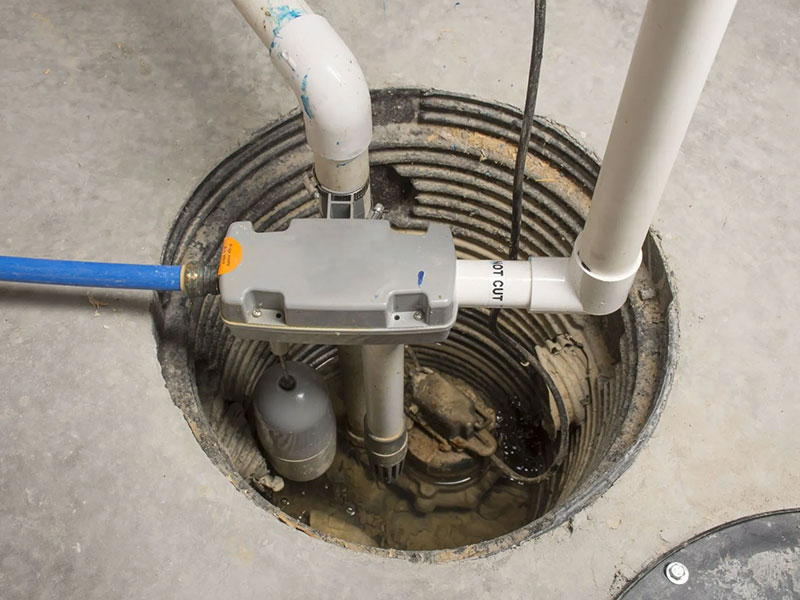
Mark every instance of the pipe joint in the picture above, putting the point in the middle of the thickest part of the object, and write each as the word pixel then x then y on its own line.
pixel 198 280
pixel 600 293
pixel 386 455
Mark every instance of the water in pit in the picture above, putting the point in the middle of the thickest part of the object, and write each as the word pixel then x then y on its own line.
pixel 349 504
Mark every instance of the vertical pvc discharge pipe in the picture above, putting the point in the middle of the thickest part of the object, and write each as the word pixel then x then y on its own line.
pixel 352 369
pixel 162 278
pixel 385 420
pixel 677 43
pixel 383 366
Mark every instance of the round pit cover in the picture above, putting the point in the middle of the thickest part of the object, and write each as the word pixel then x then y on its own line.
pixel 756 557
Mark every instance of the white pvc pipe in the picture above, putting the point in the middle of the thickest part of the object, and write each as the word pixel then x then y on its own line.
pixel 677 43
pixel 383 384
pixel 537 285
pixel 267 18
pixel 328 82
pixel 352 376
pixel 493 283
pixel 551 289
pixel 329 86
pixel 342 177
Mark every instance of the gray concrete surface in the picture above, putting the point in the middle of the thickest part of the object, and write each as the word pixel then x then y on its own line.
pixel 110 114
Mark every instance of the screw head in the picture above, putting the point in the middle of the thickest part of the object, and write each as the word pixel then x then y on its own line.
pixel 677 573
pixel 256 312
pixel 418 315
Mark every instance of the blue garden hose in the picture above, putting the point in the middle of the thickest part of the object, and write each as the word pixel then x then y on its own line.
pixel 193 279
pixel 163 278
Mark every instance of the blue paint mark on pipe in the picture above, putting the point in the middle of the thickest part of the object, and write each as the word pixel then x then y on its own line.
pixel 304 97
pixel 420 277
pixel 280 16
pixel 307 106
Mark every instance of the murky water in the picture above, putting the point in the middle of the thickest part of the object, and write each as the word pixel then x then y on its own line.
pixel 349 504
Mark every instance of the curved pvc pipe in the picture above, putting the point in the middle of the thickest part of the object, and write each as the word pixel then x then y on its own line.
pixel 329 85
pixel 322 72
pixel 162 278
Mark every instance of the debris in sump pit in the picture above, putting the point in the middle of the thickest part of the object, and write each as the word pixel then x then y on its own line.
pixel 349 504
pixel 385 518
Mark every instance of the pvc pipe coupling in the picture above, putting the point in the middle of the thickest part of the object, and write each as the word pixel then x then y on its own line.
pixel 541 285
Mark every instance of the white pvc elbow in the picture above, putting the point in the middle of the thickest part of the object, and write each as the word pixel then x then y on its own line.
pixel 600 293
pixel 322 72
pixel 329 85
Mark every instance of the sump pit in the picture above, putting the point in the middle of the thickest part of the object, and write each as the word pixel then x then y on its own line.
pixel 444 158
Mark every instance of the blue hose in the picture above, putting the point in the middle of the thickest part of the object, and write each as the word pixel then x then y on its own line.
pixel 162 278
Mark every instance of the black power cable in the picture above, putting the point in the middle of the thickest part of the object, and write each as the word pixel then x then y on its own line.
pixel 539 8
pixel 527 358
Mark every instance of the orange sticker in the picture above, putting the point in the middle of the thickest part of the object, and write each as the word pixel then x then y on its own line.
pixel 231 256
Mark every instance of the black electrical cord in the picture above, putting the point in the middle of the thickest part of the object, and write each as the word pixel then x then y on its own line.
pixel 539 8
pixel 525 357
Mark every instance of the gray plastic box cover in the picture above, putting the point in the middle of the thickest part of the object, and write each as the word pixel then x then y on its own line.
pixel 341 281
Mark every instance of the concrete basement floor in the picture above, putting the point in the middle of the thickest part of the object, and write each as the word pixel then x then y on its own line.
pixel 111 114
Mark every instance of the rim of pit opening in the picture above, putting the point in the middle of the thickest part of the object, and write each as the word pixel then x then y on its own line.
pixel 446 144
